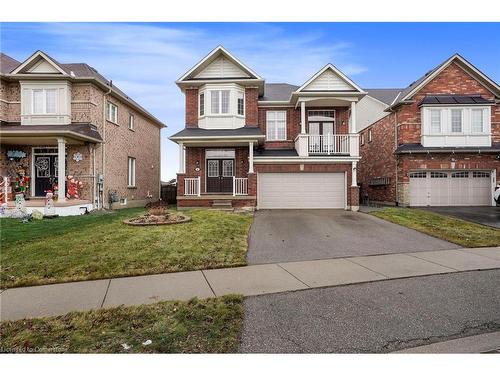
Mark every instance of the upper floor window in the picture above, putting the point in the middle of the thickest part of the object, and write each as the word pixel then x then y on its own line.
pixel 219 101
pixel 369 135
pixel 276 125
pixel 241 103
pixel 44 101
pixel 202 104
pixel 477 121
pixel 362 139
pixel 111 112
pixel 456 120
pixel 435 121
pixel 131 121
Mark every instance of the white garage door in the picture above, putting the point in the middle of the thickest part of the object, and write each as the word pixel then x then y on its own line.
pixel 450 188
pixel 301 190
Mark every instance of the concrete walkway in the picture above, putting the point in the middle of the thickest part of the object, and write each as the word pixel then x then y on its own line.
pixel 57 299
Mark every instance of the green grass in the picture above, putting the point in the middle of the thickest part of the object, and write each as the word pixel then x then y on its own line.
pixel 454 230
pixel 197 326
pixel 99 246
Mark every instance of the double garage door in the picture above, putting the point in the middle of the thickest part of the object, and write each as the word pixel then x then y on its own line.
pixel 450 188
pixel 301 190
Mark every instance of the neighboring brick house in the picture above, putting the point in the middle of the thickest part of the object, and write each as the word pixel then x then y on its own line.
pixel 109 142
pixel 248 143
pixel 438 143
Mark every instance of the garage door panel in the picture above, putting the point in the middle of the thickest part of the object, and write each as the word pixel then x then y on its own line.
pixel 301 190
pixel 450 188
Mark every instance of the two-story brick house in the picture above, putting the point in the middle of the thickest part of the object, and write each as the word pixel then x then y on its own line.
pixel 248 143
pixel 438 143
pixel 59 120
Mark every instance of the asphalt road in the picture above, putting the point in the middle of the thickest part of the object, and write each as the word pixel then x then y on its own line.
pixel 483 215
pixel 296 235
pixel 376 317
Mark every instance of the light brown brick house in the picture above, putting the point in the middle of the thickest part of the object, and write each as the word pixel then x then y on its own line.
pixel 59 120
pixel 248 143
pixel 438 141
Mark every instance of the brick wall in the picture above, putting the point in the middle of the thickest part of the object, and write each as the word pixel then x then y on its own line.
pixel 10 104
pixel 191 108
pixel 251 106
pixel 377 160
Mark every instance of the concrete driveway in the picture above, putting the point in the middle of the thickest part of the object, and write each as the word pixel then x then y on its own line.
pixel 482 215
pixel 295 235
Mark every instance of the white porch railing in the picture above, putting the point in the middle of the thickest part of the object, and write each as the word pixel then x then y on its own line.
pixel 328 144
pixel 192 186
pixel 240 186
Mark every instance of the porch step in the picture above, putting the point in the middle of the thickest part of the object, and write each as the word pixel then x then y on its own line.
pixel 222 204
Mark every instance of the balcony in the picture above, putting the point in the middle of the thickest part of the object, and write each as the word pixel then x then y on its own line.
pixel 327 145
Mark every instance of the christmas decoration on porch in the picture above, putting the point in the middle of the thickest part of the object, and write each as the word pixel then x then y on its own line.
pixel 21 183
pixel 74 186
pixel 49 210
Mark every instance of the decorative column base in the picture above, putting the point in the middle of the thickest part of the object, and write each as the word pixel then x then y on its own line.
pixel 354 195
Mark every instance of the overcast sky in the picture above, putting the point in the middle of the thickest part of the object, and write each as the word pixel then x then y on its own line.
pixel 144 60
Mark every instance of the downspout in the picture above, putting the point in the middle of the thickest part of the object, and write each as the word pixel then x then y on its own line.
pixel 103 149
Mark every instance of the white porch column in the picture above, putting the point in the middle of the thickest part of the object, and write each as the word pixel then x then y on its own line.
pixel 61 169
pixel 182 158
pixel 250 157
pixel 353 118
pixel 354 178
pixel 303 117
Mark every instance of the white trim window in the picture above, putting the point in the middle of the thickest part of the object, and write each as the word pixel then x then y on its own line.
pixel 131 172
pixel 201 104
pixel 241 103
pixel 369 135
pixel 276 125
pixel 219 101
pixel 456 120
pixel 131 119
pixel 362 139
pixel 111 112
pixel 44 101
pixel 435 121
pixel 477 121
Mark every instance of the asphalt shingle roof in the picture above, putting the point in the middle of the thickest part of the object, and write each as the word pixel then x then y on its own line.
pixel 199 132
pixel 386 96
pixel 278 92
pixel 7 63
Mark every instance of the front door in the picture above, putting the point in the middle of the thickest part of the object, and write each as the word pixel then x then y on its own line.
pixel 220 174
pixel 45 173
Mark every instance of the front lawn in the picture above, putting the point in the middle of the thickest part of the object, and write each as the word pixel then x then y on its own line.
pixel 461 232
pixel 99 246
pixel 197 326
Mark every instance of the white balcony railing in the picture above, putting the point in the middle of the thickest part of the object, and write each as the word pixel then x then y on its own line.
pixel 328 144
pixel 192 186
pixel 240 186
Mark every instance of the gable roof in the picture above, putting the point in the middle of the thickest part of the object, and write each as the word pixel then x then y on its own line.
pixel 336 73
pixel 73 71
pixel 7 63
pixel 386 96
pixel 277 92
pixel 415 86
pixel 216 53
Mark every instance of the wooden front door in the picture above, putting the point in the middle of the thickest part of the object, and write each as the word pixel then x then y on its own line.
pixel 45 173
pixel 220 174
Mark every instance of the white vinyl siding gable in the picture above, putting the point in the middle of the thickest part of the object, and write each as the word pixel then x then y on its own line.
pixel 222 68
pixel 276 125
pixel 328 81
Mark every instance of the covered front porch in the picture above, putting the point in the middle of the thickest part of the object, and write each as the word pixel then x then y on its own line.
pixel 34 164
pixel 217 172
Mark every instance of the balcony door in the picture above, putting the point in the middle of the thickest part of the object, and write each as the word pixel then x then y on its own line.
pixel 319 142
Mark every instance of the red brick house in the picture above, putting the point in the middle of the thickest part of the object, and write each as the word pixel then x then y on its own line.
pixel 59 120
pixel 248 143
pixel 438 143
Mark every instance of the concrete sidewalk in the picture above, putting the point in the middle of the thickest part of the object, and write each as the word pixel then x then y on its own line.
pixel 57 299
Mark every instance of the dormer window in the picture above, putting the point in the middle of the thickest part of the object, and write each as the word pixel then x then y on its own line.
pixel 44 101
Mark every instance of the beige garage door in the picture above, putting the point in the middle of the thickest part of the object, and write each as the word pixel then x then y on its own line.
pixel 301 190
pixel 450 188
